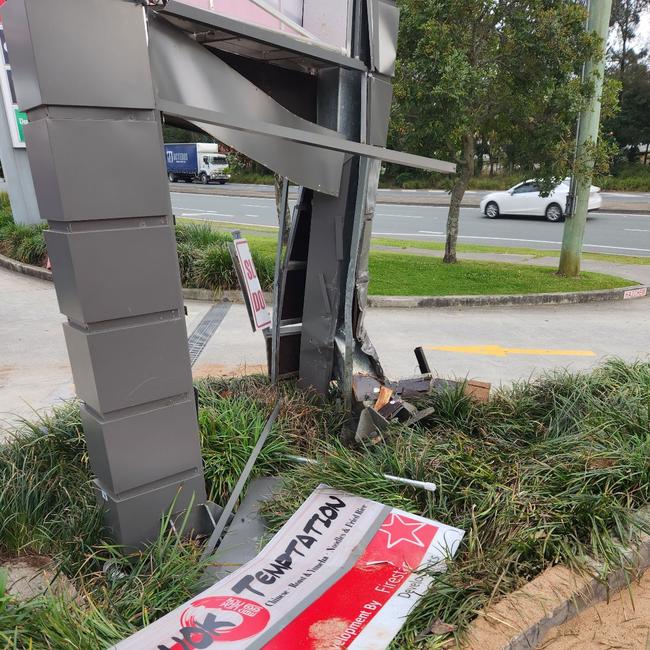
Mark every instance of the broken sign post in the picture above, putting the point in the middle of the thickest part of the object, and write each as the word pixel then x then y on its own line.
pixel 343 572
pixel 250 285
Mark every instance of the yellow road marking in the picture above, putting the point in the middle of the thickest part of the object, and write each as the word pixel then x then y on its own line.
pixel 498 351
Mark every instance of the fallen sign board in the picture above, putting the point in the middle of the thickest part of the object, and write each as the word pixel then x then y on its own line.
pixel 250 284
pixel 343 572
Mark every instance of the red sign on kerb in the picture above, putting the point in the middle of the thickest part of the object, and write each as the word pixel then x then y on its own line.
pixel 260 315
pixel 343 572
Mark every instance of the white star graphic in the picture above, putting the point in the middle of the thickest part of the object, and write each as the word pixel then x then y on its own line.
pixel 400 530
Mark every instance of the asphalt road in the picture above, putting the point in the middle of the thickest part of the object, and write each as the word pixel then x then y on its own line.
pixel 625 234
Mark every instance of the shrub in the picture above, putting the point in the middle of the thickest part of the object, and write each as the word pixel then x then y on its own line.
pixel 214 269
pixel 200 235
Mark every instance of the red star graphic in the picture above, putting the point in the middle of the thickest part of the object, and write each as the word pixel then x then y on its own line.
pixel 401 530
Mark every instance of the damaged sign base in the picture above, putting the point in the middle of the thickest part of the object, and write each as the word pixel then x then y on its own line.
pixel 343 572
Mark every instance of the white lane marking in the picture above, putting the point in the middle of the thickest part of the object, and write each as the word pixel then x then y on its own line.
pixel 542 241
pixel 253 205
pixel 402 234
pixel 635 230
pixel 205 214
pixel 399 216
pixel 624 196
pixel 252 216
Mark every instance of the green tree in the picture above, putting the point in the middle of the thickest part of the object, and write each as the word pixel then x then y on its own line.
pixel 631 126
pixel 508 68
pixel 626 16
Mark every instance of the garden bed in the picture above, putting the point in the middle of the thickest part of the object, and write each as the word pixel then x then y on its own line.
pixel 548 472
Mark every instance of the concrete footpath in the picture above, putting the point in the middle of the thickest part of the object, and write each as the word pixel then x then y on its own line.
pixel 495 344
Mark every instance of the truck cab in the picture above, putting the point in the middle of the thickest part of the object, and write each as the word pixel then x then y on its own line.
pixel 213 167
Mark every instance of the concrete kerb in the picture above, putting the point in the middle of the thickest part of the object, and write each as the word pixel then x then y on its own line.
pixel 573 297
pixel 399 302
pixel 524 618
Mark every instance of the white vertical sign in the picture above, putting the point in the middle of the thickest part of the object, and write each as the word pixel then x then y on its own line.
pixel 260 315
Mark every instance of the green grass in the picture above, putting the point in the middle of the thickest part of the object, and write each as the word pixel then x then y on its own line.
pixel 548 472
pixel 503 250
pixel 394 274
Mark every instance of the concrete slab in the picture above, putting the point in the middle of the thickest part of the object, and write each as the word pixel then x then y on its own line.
pixel 34 368
pixel 606 330
pixel 234 349
pixel 28 578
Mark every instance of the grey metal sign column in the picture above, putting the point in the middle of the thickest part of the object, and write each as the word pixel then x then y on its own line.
pixel 95 147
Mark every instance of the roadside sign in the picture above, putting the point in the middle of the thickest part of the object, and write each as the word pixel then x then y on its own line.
pixel 343 572
pixel 641 292
pixel 258 311
pixel 16 118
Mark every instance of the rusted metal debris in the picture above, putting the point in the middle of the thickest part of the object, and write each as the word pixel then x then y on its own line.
pixel 380 402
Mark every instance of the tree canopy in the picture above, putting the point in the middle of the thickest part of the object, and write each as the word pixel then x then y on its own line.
pixel 503 72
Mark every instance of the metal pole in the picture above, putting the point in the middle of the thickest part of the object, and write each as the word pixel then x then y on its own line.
pixel 277 285
pixel 237 490
pixel 364 166
pixel 574 228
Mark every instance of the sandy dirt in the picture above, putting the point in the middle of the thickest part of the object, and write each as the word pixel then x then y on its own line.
pixel 623 623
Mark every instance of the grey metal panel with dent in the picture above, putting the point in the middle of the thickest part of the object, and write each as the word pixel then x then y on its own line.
pixel 383 36
pixel 131 519
pixel 81 174
pixel 116 273
pixel 188 73
pixel 50 68
pixel 380 96
pixel 133 450
pixel 130 365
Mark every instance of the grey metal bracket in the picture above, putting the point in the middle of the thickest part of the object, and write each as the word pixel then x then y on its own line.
pixel 208 116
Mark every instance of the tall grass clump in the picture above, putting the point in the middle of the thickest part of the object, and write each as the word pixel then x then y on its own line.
pixel 47 504
pixel 547 472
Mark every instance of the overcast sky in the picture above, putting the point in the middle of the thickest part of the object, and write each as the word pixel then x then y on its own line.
pixel 643 35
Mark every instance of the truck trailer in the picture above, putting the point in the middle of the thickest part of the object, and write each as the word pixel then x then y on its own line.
pixel 196 162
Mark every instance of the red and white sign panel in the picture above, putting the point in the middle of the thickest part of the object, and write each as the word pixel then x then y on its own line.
pixel 260 315
pixel 341 573
pixel 642 292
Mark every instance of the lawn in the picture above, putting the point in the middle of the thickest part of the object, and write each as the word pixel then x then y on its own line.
pixel 394 274
pixel 547 472
pixel 503 250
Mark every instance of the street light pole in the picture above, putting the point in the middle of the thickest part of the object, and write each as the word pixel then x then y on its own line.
pixel 576 220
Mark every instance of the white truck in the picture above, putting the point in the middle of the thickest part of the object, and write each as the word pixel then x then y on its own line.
pixel 196 162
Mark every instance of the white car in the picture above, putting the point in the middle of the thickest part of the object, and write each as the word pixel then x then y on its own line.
pixel 524 199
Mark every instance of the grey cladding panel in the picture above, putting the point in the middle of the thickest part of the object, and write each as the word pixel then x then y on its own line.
pixel 136 450
pixel 383 38
pixel 105 169
pixel 85 53
pixel 136 519
pixel 19 43
pixel 380 97
pixel 108 274
pixel 187 73
pixel 126 367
